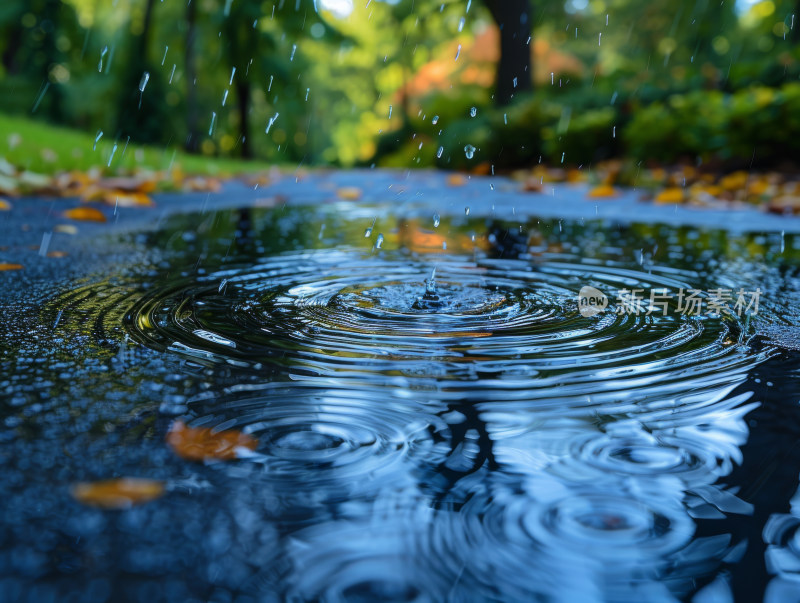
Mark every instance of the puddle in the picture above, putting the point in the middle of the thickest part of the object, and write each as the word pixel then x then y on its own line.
pixel 422 436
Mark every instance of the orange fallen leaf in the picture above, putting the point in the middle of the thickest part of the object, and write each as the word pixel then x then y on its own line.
pixel 5 266
pixel 670 195
pixel 349 193
pixel 734 181
pixel 604 191
pixel 203 443
pixel 86 214
pixel 4 205
pixel 456 180
pixel 124 199
pixel 120 493
pixel 57 254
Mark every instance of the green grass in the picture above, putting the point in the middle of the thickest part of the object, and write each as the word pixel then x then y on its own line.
pixel 48 149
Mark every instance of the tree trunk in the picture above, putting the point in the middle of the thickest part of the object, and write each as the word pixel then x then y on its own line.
pixel 192 132
pixel 243 98
pixel 514 71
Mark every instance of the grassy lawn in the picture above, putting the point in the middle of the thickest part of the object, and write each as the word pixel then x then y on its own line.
pixel 48 149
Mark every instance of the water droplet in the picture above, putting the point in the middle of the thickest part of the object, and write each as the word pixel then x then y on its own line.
pixel 466 211
pixel 473 112
pixel 368 230
pixel 458 52
pixel 439 152
pixel 213 119
pixel 379 241
pixel 435 120
pixel 111 157
pixel 436 220
pixel 307 92
pixel 294 49
pixel 97 139
pixel 461 24
pixel 143 81
pixel 469 151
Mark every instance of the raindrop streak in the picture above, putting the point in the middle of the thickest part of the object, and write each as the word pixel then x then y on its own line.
pixel 166 48
pixel 143 85
pixel 213 119
pixel 599 37
pixel 224 97
pixel 172 73
pixel 97 139
pixel 111 157
pixel 294 49
pixel 233 72
pixel 461 24
pixel 390 112
pixel 466 211
pixel 473 112
pixel 436 220
pixel 271 121
pixel 40 97
pixel 379 241
pixel 469 151
pixel 102 55
pixel 368 230
pixel 307 92
pixel 439 153
pixel 458 52
pixel 269 88
pixel 435 120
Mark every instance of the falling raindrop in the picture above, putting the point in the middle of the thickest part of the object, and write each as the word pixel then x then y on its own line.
pixel 379 241
pixel 172 73
pixel 439 153
pixel 599 37
pixel 308 90
pixel 435 120
pixel 143 81
pixel 164 58
pixel 271 121
pixel 102 54
pixel 390 112
pixel 368 230
pixel 466 210
pixel 97 139
pixel 436 220
pixel 213 119
pixel 469 151
pixel 224 97
pixel 458 52
pixel 111 157
pixel 473 111
pixel 515 82
pixel 269 88
pixel 461 24
pixel 783 240
pixel 294 49
pixel 233 72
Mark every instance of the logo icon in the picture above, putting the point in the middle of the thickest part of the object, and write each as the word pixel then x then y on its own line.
pixel 591 301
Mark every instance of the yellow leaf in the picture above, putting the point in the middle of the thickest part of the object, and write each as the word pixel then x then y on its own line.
pixel 120 493
pixel 604 191
pixel 124 199
pixel 4 266
pixel 670 195
pixel 4 205
pixel 734 181
pixel 85 214
pixel 70 229
pixel 349 193
pixel 203 443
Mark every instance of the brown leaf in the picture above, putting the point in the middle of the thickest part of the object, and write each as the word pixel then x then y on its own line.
pixel 456 180
pixel 57 254
pixel 4 266
pixel 124 199
pixel 203 443
pixel 349 193
pixel 85 214
pixel 4 205
pixel 120 493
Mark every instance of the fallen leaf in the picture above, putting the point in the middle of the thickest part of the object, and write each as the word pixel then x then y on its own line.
pixel 4 205
pixel 670 195
pixel 86 214
pixel 57 254
pixel 532 184
pixel 123 199
pixel 604 191
pixel 69 229
pixel 4 266
pixel 734 181
pixel 120 493
pixel 786 204
pixel 203 443
pixel 456 180
pixel 349 193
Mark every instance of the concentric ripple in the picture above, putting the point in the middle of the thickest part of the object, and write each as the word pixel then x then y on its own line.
pixel 497 321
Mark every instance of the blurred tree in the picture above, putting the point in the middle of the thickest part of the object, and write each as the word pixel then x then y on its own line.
pixel 514 72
